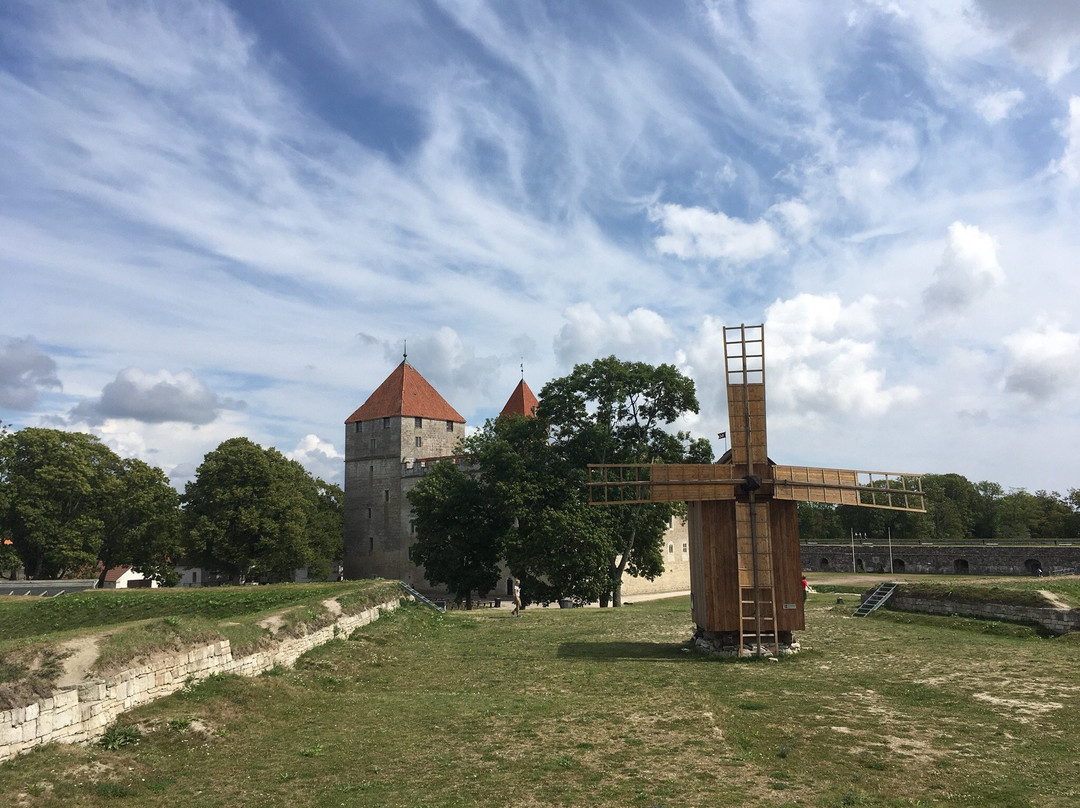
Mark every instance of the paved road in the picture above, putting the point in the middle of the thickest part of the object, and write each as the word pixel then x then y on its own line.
pixel 45 588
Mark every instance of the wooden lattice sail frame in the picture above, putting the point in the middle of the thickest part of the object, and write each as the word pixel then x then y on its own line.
pixel 745 570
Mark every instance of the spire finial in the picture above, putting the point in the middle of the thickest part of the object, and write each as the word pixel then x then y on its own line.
pixel 523 368
pixel 405 352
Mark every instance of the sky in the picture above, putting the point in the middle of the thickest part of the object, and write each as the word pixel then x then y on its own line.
pixel 222 219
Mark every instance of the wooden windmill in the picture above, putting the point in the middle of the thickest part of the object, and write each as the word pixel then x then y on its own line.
pixel 745 571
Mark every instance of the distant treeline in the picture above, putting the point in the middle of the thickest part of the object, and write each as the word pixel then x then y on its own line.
pixel 956 508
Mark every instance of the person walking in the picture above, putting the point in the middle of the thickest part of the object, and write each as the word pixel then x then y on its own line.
pixel 805 588
pixel 517 598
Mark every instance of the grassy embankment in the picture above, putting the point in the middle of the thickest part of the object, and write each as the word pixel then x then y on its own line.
pixel 36 634
pixel 606 707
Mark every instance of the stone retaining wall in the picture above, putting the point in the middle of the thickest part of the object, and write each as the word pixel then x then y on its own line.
pixel 81 713
pixel 951 559
pixel 1056 621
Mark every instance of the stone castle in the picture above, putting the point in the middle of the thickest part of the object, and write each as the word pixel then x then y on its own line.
pixel 390 443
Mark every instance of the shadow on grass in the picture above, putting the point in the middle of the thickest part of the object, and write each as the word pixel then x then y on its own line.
pixel 612 651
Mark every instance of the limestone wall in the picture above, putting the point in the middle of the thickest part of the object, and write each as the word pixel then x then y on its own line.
pixel 81 713
pixel 1056 621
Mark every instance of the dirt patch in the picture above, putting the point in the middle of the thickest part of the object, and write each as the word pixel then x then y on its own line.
pixel 273 623
pixel 1055 599
pixel 82 654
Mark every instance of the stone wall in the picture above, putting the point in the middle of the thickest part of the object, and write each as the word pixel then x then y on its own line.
pixel 1056 621
pixel 951 559
pixel 81 713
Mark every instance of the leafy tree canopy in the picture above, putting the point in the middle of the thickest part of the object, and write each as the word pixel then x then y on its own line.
pixel 251 512
pixel 67 501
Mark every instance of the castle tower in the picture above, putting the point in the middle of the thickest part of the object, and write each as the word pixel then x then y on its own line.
pixel 389 442
pixel 521 401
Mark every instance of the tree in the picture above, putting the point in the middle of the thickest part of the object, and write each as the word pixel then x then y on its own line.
pixel 459 531
pixel 611 411
pixel 140 513
pixel 250 512
pixel 327 530
pixel 52 485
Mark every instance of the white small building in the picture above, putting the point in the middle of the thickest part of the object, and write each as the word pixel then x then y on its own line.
pixel 127 578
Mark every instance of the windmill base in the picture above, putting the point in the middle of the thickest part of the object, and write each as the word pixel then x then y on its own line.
pixel 726 643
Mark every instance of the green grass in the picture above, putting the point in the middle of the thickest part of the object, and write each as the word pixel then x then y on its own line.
pixel 134 624
pixel 589 707
pixel 30 616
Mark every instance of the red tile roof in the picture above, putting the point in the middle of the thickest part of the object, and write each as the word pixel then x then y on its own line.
pixel 408 394
pixel 521 402
pixel 115 573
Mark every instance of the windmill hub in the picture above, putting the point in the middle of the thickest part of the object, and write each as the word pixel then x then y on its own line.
pixel 752 482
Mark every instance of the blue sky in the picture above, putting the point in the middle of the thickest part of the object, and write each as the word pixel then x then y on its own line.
pixel 224 219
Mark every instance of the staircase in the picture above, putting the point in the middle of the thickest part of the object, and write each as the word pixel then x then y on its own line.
pixel 420 598
pixel 875 599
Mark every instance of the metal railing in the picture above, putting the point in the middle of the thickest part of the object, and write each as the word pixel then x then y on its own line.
pixel 421 599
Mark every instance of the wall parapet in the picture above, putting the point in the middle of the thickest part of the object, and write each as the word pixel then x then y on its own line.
pixel 80 713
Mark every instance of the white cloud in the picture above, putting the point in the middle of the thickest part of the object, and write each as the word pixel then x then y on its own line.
pixel 1069 164
pixel 640 335
pixel 24 371
pixel 969 269
pixel 1042 362
pixel 699 233
pixel 997 106
pixel 822 359
pixel 1044 35
pixel 321 458
pixel 155 398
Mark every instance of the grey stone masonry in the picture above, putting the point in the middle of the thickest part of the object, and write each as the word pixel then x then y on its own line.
pixel 987 558
pixel 384 459
pixel 1055 621
pixel 80 713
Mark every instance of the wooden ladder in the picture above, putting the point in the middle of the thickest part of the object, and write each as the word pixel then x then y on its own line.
pixel 757 592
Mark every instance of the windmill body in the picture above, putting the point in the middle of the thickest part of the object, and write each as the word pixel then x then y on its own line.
pixel 745 570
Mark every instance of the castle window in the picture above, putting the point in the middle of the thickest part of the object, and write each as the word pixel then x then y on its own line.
pixel 386 495
pixel 369 513
pixel 412 526
pixel 418 422
pixel 385 423
pixel 419 441
pixel 371 544
pixel 373 443
pixel 449 426
pixel 670 547
pixel 358 426
pixel 371 472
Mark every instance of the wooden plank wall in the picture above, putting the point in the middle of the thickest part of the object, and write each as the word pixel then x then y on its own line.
pixel 714 565
pixel 719 568
pixel 784 522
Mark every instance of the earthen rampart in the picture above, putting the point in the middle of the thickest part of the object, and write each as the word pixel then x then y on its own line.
pixel 80 713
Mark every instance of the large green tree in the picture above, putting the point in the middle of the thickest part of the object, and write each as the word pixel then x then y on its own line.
pixel 53 483
pixel 613 411
pixel 68 502
pixel 140 514
pixel 460 529
pixel 251 512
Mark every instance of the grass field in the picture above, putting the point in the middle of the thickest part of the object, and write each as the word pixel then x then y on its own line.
pixel 590 707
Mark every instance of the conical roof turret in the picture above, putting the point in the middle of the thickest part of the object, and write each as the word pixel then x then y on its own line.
pixel 521 401
pixel 405 393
